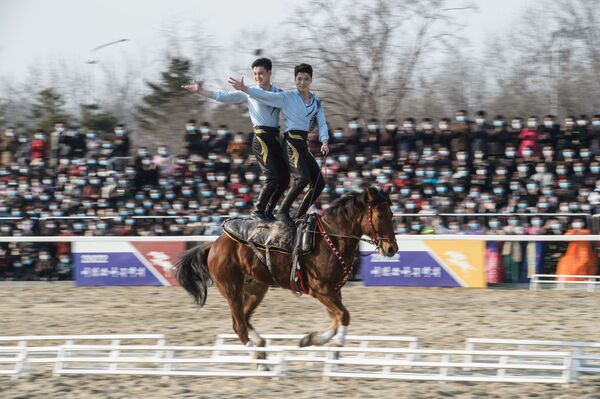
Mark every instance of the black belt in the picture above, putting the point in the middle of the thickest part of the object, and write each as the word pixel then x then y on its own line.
pixel 297 134
pixel 266 129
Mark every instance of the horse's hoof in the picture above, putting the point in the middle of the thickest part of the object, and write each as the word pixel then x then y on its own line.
pixel 306 340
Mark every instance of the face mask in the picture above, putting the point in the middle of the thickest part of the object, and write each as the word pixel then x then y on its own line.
pixel 548 153
pixel 584 154
pixel 458 189
pixel 536 222
pixel 513 222
pixel 498 123
pixel 498 191
pixel 516 125
pixel 460 118
pixel 461 157
pixel 407 125
pixel 473 226
pixel 531 124
pixel 596 123
pixel 595 169
pixel 510 154
pixel 563 185
pixel 480 122
pixel 190 128
pixel 416 227
pixel 443 126
pixel 527 153
pixel 548 124
pixel 577 225
pixel 581 122
pixel 494 224
pixel 567 154
pixel 543 205
pixel 578 169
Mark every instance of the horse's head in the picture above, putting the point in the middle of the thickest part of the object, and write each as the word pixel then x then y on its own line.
pixel 378 222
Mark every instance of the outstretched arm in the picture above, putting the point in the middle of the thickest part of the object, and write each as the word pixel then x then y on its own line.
pixel 276 100
pixel 323 130
pixel 220 96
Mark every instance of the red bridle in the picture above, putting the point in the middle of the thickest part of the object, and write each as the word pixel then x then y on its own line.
pixel 376 240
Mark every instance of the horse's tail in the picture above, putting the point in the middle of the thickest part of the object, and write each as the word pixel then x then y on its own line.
pixel 192 272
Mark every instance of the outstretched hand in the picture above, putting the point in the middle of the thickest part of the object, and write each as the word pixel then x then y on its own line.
pixel 192 87
pixel 325 148
pixel 238 84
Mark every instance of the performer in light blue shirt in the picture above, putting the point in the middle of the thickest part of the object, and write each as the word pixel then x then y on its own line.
pixel 265 143
pixel 302 111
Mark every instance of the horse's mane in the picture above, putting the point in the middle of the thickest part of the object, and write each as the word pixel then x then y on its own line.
pixel 352 204
pixel 348 205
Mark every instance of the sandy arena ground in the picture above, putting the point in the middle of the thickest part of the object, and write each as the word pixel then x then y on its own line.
pixel 441 318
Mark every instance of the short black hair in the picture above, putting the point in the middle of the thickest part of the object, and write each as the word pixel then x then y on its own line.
pixel 303 68
pixel 263 62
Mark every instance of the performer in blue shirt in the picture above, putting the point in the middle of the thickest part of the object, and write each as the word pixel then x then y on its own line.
pixel 302 111
pixel 265 143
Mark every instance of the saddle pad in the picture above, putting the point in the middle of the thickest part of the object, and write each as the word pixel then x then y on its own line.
pixel 275 235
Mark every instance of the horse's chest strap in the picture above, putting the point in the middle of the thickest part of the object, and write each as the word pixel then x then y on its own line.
pixel 347 270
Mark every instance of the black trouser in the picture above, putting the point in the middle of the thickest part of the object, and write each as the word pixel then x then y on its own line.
pixel 267 150
pixel 304 170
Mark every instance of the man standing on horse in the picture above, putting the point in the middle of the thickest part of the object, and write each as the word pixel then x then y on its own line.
pixel 265 143
pixel 302 110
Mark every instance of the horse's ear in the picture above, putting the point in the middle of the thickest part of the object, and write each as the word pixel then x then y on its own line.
pixel 371 193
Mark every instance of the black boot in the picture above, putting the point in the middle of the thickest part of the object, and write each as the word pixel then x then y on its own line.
pixel 283 216
pixel 270 216
pixel 260 215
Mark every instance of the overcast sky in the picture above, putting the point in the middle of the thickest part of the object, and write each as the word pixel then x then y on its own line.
pixel 35 31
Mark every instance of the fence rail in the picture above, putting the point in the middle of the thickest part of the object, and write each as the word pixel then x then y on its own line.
pixel 561 363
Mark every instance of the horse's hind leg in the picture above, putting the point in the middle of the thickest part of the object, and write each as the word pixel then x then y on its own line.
pixel 229 279
pixel 254 292
pixel 340 319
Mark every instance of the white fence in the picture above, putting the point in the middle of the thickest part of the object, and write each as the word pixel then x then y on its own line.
pixel 562 281
pixel 586 355
pixel 362 358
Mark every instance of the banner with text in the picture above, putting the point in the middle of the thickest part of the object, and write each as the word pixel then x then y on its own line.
pixel 126 263
pixel 426 263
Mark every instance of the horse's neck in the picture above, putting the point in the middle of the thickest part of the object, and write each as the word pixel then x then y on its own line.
pixel 348 227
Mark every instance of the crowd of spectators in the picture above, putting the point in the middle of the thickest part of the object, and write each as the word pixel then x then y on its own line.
pixel 75 182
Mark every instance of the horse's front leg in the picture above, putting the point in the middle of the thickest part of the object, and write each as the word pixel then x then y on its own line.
pixel 340 319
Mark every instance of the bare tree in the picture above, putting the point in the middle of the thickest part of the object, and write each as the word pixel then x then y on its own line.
pixel 366 54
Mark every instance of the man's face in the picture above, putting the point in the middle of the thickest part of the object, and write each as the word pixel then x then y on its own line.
pixel 303 81
pixel 261 75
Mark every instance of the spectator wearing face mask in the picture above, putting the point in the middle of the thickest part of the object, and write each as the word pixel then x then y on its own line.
pixel 460 132
pixel 163 161
pixel 549 131
pixel 580 257
pixel 514 130
pixel 552 250
pixel 407 137
pixel 529 137
pixel 479 133
pixel 38 146
pixel 121 143
pixel 542 176
pixel 533 263
pixel 493 250
pixel 512 252
pixel 54 143
pixel 497 137
pixel 8 146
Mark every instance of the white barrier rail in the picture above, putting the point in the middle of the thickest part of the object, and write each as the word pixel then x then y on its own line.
pixel 366 360
pixel 405 237
pixel 557 280
pixel 293 353
pixel 586 355
pixel 163 360
pixel 23 351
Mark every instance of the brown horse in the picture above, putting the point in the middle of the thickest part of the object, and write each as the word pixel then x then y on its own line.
pixel 244 280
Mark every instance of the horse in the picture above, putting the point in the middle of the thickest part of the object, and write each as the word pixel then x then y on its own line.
pixel 243 280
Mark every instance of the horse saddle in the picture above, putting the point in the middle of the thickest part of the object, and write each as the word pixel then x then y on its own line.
pixel 275 236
